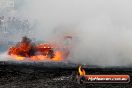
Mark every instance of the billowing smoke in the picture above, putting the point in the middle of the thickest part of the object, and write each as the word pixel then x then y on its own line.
pixel 101 29
pixel 4 57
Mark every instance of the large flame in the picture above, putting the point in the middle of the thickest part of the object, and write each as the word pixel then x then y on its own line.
pixel 57 57
pixel 19 58
pixel 81 71
pixel 26 50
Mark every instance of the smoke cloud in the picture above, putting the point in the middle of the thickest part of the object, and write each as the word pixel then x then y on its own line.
pixel 101 29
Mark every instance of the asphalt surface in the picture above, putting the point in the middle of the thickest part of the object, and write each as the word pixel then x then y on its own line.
pixel 32 76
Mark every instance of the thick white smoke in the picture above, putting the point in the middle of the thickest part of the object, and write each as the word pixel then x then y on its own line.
pixel 4 56
pixel 102 29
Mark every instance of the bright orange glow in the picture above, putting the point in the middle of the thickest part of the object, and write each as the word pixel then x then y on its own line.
pixel 20 58
pixel 38 58
pixel 81 71
pixel 26 50
pixel 58 56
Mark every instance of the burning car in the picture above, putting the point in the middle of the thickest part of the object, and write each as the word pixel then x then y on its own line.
pixel 43 51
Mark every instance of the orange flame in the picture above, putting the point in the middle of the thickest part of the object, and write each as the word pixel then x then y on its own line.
pixel 58 57
pixel 81 71
pixel 45 51
pixel 38 58
pixel 20 58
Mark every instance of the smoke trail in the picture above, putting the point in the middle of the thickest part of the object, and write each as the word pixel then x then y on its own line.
pixel 101 29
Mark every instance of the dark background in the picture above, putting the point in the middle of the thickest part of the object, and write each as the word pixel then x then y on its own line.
pixel 51 75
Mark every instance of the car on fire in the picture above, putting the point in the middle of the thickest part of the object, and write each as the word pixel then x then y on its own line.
pixel 27 49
